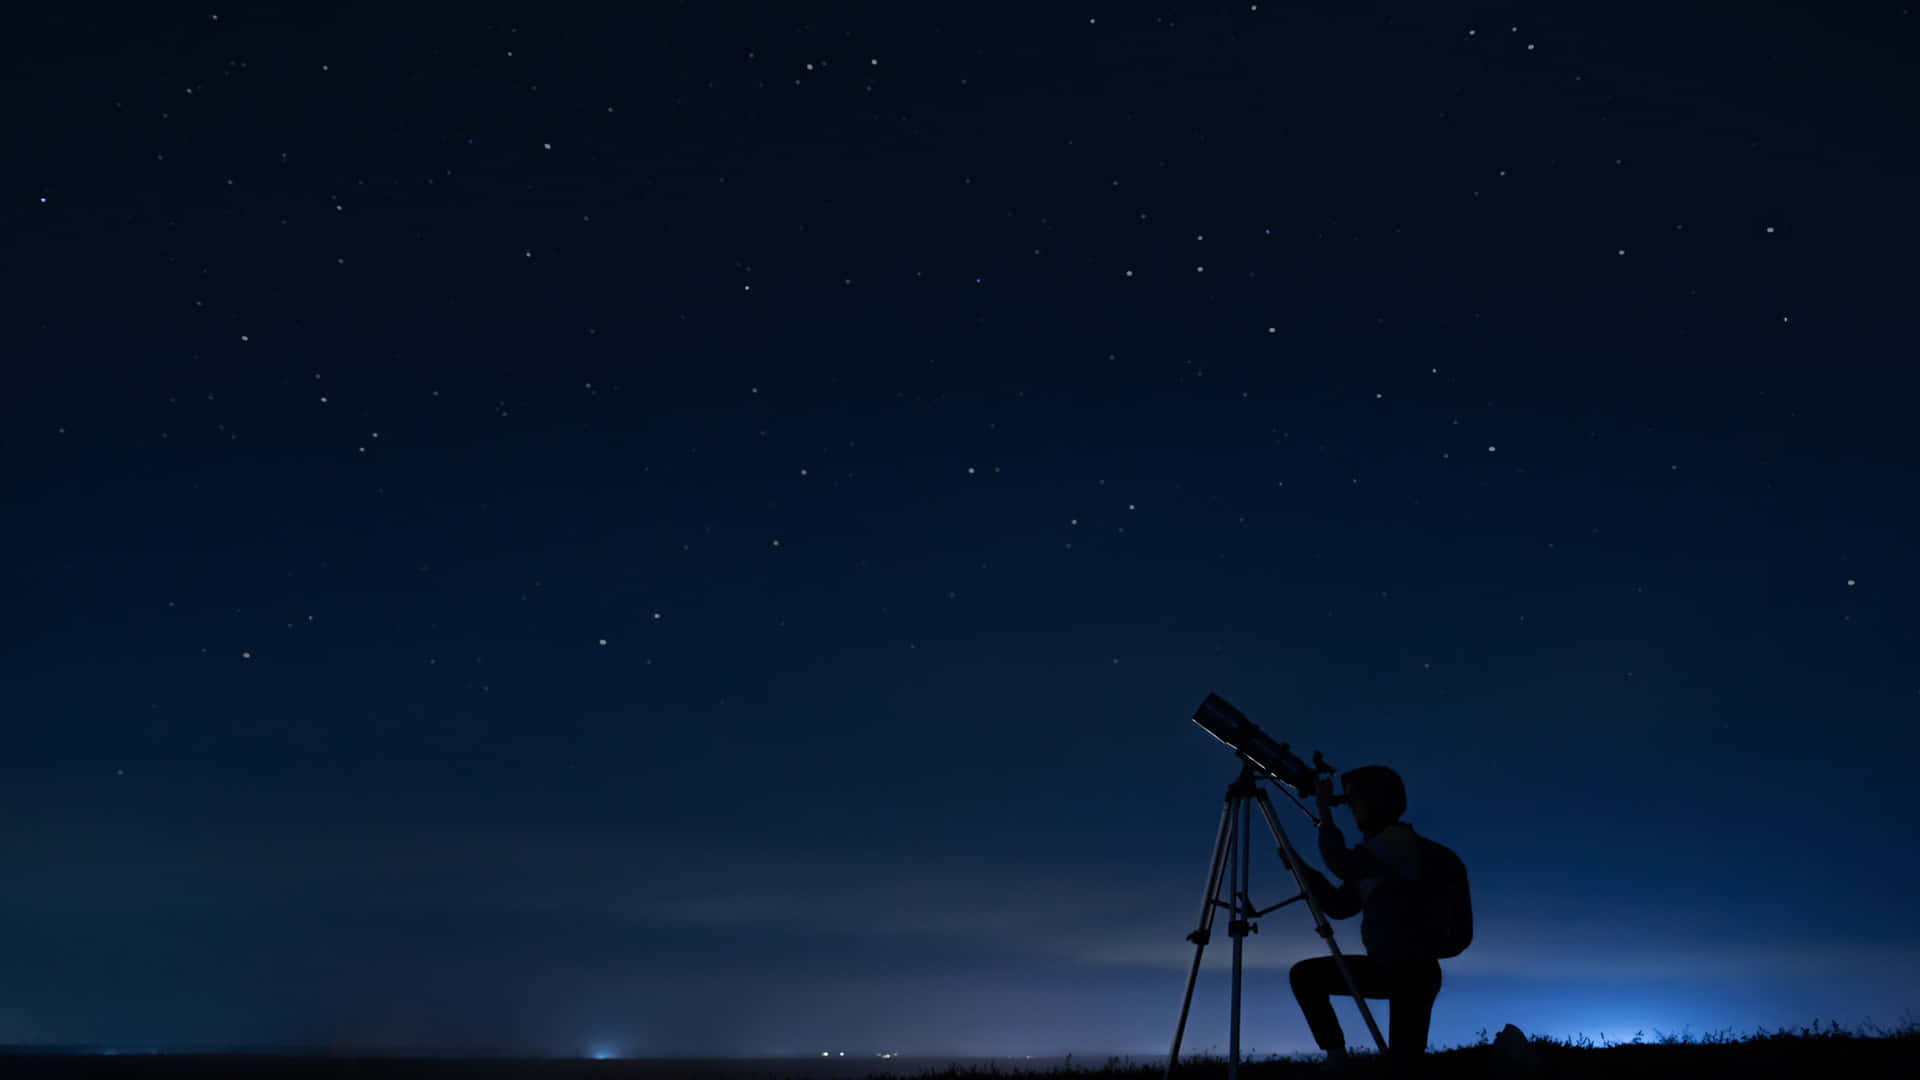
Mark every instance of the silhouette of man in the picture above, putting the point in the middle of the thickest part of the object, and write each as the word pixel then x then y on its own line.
pixel 1395 966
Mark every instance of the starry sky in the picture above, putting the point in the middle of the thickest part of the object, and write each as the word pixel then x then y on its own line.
pixel 701 529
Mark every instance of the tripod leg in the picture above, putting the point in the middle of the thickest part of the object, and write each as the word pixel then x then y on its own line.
pixel 1222 845
pixel 1240 916
pixel 1320 924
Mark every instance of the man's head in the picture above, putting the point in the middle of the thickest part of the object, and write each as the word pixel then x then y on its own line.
pixel 1376 796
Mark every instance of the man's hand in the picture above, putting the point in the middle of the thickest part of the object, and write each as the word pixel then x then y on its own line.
pixel 1317 882
pixel 1323 795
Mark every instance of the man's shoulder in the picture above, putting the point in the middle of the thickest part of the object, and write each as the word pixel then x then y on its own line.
pixel 1398 835
pixel 1398 849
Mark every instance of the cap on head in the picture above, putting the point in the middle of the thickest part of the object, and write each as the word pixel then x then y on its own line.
pixel 1379 788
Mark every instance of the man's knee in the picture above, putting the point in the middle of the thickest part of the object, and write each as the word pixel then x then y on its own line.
pixel 1300 975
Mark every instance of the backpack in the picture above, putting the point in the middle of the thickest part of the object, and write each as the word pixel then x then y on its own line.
pixel 1428 919
pixel 1447 929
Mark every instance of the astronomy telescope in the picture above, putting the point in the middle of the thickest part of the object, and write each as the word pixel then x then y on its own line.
pixel 1270 760
pixel 1262 759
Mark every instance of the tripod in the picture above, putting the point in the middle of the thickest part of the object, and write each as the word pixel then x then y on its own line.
pixel 1232 855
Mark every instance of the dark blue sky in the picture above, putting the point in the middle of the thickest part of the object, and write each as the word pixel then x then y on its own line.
pixel 702 530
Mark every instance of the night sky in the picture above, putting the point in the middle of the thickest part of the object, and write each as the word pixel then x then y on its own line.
pixel 702 529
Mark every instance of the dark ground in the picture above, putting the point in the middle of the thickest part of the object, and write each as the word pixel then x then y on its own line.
pixel 1831 1054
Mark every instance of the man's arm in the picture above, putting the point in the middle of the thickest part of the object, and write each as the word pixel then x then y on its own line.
pixel 1347 863
pixel 1333 846
pixel 1337 902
